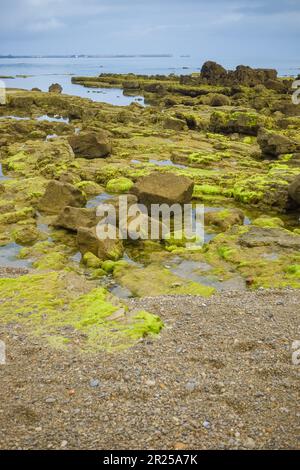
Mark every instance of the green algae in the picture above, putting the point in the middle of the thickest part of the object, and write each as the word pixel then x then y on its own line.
pixel 154 280
pixel 91 261
pixel 119 185
pixel 268 222
pixel 53 304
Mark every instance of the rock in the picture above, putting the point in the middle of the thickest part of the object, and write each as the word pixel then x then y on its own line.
pixel 128 200
pixel 174 124
pixel 155 88
pixel 131 85
pixel 276 85
pixel 213 71
pixel 109 248
pixel 191 385
pixel 50 400
pixel 217 99
pixel 258 236
pixel 249 443
pixel 25 235
pixel 90 144
pixel 55 88
pixel 276 144
pixel 119 185
pixel 92 261
pixel 94 383
pixel 206 424
pixel 59 195
pixel 294 190
pixel 224 219
pixel 158 188
pixel 144 226
pixel 230 122
pixel 71 218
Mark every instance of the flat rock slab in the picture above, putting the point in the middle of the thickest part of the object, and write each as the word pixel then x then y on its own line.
pixel 257 236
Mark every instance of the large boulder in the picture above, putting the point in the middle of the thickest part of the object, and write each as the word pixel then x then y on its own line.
pixel 158 188
pixel 90 144
pixel 71 218
pixel 212 71
pixel 248 76
pixel 276 144
pixel 55 88
pixel 228 122
pixel 294 190
pixel 58 195
pixel 108 248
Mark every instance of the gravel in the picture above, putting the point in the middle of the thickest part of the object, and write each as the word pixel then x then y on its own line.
pixel 234 351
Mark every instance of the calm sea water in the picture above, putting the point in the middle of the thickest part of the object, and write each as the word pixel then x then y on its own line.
pixel 44 71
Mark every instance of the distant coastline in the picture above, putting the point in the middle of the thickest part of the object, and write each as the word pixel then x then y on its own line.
pixel 85 56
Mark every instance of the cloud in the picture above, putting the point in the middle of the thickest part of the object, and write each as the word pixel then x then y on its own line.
pixel 211 28
pixel 44 25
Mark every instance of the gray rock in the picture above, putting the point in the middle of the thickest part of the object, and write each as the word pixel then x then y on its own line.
pixel 94 383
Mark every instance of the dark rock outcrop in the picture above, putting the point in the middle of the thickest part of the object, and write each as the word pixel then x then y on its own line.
pixel 213 72
pixel 55 88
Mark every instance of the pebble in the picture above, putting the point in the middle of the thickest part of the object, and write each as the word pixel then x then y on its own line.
pixel 150 383
pixel 206 424
pixel 94 383
pixel 191 385
pixel 63 444
pixel 250 443
pixel 50 400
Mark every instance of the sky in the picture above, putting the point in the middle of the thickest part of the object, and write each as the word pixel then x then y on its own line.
pixel 215 28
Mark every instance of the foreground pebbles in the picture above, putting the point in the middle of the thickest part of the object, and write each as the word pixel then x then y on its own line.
pixel 220 375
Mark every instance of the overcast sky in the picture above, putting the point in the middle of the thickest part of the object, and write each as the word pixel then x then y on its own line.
pixel 212 28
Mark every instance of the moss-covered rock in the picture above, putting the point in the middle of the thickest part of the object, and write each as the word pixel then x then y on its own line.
pixel 154 280
pixel 61 307
pixel 25 235
pixel 119 185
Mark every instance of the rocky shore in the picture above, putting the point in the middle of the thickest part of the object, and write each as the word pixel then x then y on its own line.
pixel 205 361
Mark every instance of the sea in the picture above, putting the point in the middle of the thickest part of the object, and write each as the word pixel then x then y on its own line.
pixel 41 72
